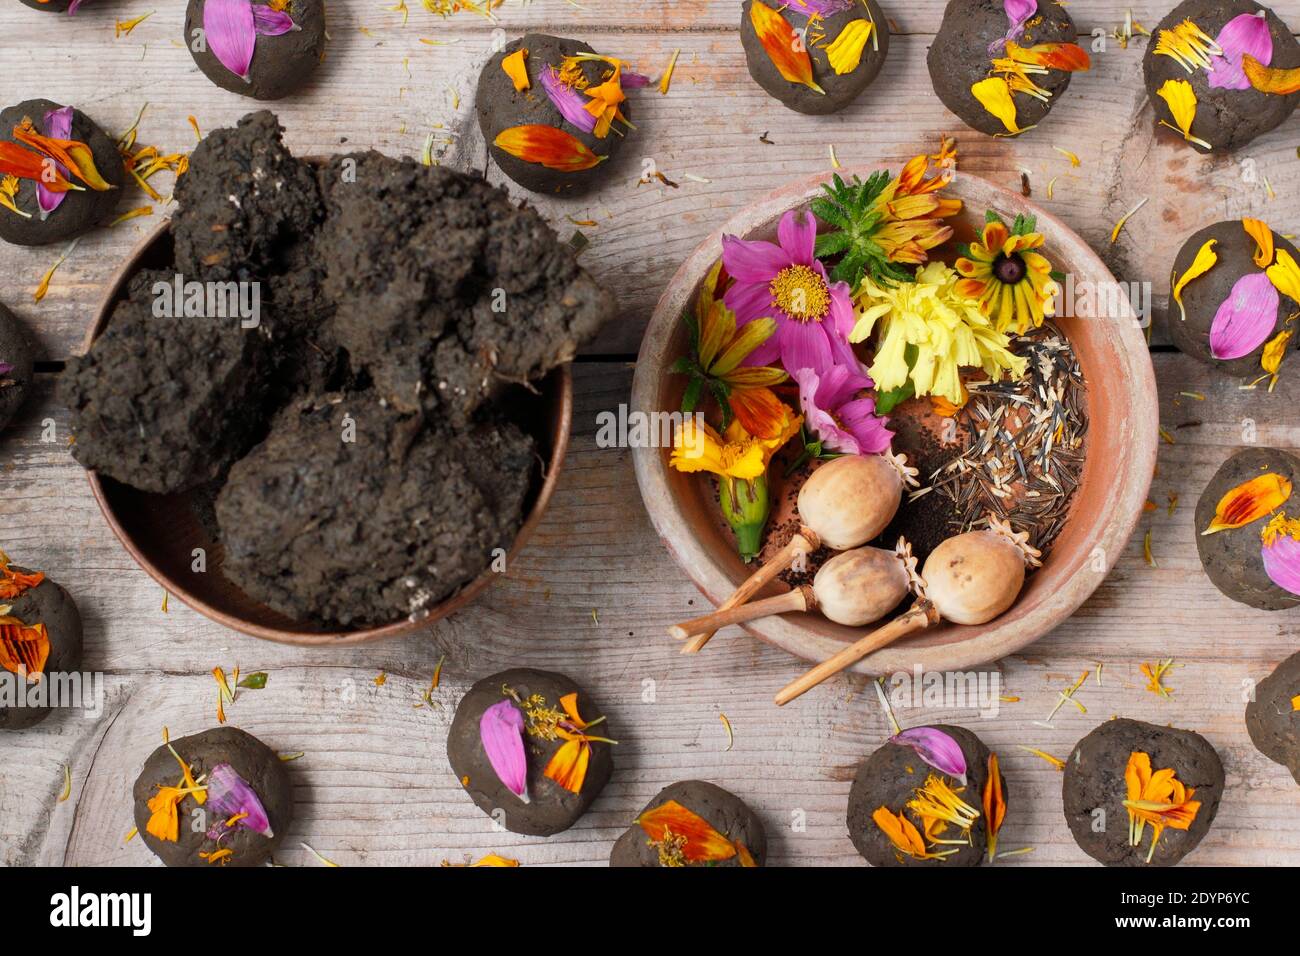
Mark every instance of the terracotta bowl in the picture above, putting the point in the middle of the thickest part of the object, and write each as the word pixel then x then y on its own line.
pixel 1119 461
pixel 160 531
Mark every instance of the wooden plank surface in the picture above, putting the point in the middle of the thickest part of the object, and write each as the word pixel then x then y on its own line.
pixel 593 591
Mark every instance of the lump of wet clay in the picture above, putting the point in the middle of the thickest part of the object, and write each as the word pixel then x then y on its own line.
pixel 1273 717
pixel 1095 787
pixel 1233 557
pixel 353 513
pixel 39 634
pixel 693 823
pixel 447 291
pixel 529 708
pixel 502 106
pixel 164 403
pixel 79 210
pixel 287 47
pixel 241 775
pixel 1230 112
pixel 16 365
pixel 848 41
pixel 895 775
pixel 971 35
pixel 1206 295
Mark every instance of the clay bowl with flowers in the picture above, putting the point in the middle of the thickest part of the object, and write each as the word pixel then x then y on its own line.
pixel 879 317
pixel 161 531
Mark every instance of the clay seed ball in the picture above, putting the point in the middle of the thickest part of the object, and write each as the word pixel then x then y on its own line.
pixel 850 500
pixel 500 107
pixel 1203 295
pixel 1272 719
pixel 81 209
pixel 890 778
pixel 972 578
pixel 1226 116
pixel 841 89
pixel 51 6
pixel 1232 557
pixel 728 817
pixel 551 808
pixel 281 64
pixel 16 365
pixel 203 829
pixel 860 586
pixel 49 604
pixel 1094 790
pixel 959 57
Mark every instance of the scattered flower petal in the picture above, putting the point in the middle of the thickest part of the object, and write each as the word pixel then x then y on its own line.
pixel 778 38
pixel 547 146
pixel 501 730
pixel 516 68
pixel 1247 33
pixel 231 31
pixel 936 748
pixel 1205 258
pixel 1250 501
pixel 230 795
pixel 1246 318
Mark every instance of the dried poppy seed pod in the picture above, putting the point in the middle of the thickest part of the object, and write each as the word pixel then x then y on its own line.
pixel 861 586
pixel 850 500
pixel 974 577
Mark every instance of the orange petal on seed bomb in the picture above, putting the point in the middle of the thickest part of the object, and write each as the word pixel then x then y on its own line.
pixel 1069 57
pixel 516 69
pixel 783 47
pixel 1270 79
pixel 703 843
pixel 1250 501
pixel 547 146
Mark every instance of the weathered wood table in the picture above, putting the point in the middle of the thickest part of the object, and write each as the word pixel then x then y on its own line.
pixel 594 590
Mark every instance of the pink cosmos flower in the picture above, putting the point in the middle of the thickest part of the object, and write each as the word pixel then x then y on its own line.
pixel 834 412
pixel 783 280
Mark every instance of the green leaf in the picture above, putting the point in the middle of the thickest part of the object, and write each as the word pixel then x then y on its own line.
pixel 1023 225
pixel 963 250
pixel 722 392
pixel 991 216
pixel 830 212
pixel 887 401
pixel 691 397
pixel 694 328
pixel 831 244
pixel 254 681
pixel 1057 275
pixel 683 366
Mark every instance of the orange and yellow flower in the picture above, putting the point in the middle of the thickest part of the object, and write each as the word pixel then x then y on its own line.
pixel 568 765
pixel 1012 282
pixel 1158 798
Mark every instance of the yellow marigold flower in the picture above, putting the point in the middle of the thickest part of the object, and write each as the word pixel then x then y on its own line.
pixel 735 453
pixel 1013 283
pixel 946 328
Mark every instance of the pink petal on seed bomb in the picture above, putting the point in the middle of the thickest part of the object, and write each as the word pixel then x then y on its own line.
pixel 57 125
pixel 1018 11
pixel 1246 318
pixel 936 748
pixel 501 729
pixel 231 32
pixel 272 23
pixel 567 100
pixel 229 795
pixel 1282 562
pixel 1249 34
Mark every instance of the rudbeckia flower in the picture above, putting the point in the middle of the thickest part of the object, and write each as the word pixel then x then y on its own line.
pixel 837 413
pixel 1013 283
pixel 785 282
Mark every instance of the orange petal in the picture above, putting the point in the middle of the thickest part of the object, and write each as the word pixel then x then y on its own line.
pixel 703 843
pixel 783 47
pixel 1069 57
pixel 72 154
pixel 23 647
pixel 547 146
pixel 23 163
pixel 1263 236
pixel 515 68
pixel 758 410
pixel 1270 79
pixel 570 704
pixel 746 858
pixel 568 766
pixel 1250 501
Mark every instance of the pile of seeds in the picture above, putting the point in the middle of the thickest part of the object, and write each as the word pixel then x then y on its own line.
pixel 1024 444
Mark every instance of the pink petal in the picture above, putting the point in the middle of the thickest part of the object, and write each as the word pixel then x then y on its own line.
pixel 229 794
pixel 823 8
pixel 72 7
pixel 752 260
pixel 1247 33
pixel 798 238
pixel 1018 11
pixel 633 81
pixel 842 316
pixel 1246 318
pixel 817 420
pixel 272 23
pixel 231 33
pixel 765 354
pixel 840 384
pixel 936 748
pixel 1282 562
pixel 57 125
pixel 869 429
pixel 567 100
pixel 749 300
pixel 803 345
pixel 501 729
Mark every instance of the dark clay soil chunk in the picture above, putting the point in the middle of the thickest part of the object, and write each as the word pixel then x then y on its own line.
pixel 501 107
pixel 1232 557
pixel 1094 790
pixel 892 776
pixel 1272 719
pixel 1202 296
pixel 222 757
pixel 535 696
pixel 960 57
pixel 733 833
pixel 447 291
pixel 834 16
pixel 49 604
pixel 51 6
pixel 165 403
pixel 81 210
pixel 15 365
pixel 281 64
pixel 1226 116
pixel 353 513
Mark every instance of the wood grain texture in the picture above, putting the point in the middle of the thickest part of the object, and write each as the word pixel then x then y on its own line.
pixel 594 590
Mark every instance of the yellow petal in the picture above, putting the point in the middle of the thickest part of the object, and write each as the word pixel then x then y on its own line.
pixel 1205 258
pixel 1285 275
pixel 995 96
pixel 1181 100
pixel 1263 236
pixel 846 52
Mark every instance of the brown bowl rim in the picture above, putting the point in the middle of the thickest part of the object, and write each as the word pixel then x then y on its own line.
pixel 986 643
pixel 560 435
